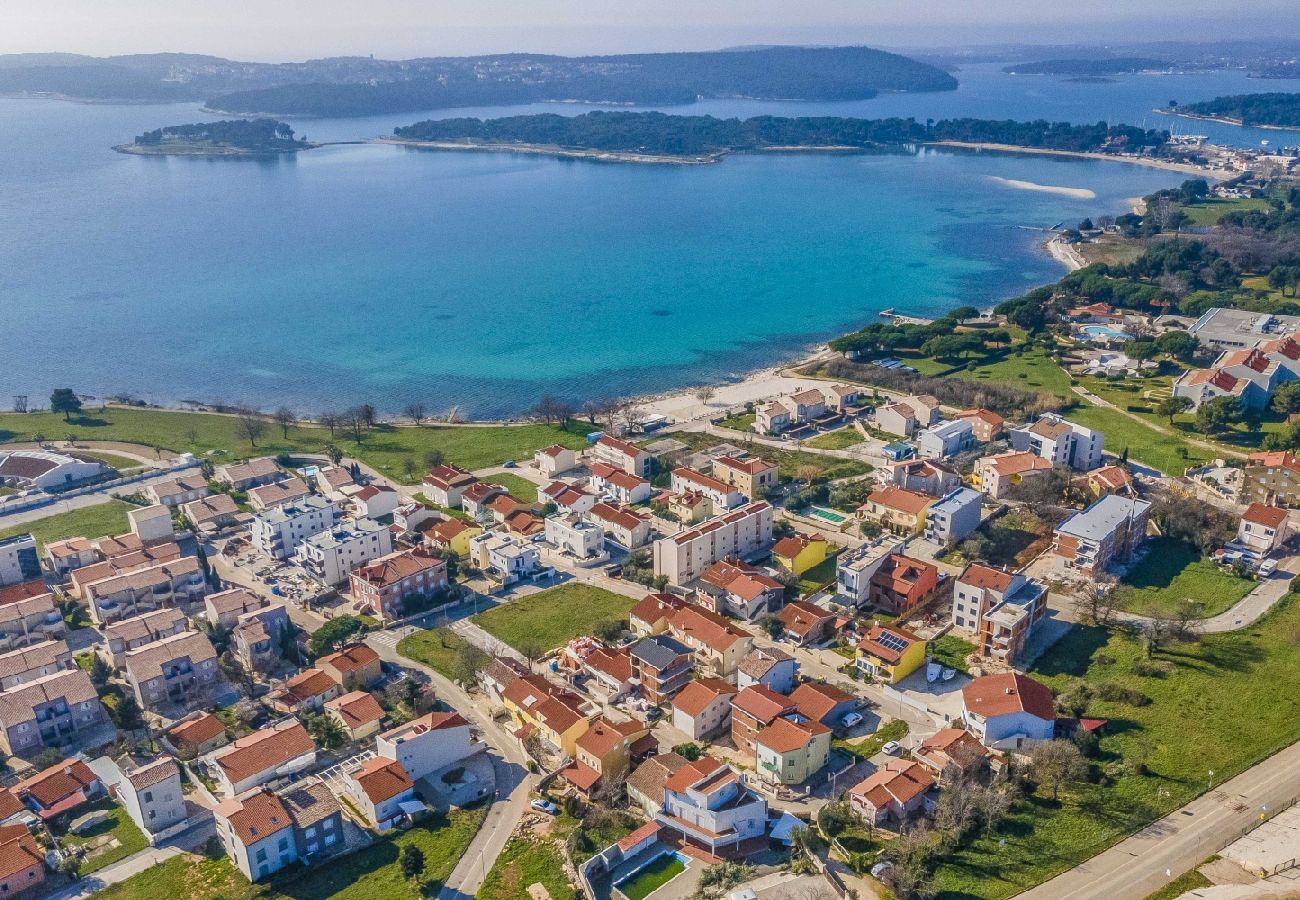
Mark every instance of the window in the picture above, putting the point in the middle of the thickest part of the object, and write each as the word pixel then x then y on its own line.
pixel 261 856
pixel 148 796
pixel 284 844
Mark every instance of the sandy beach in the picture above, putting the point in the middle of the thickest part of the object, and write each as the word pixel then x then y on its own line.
pixel 1065 254
pixel 561 152
pixel 1075 193
pixel 1185 168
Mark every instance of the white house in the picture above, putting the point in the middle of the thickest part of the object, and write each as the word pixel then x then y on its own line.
pixel 622 455
pixel 150 793
pixel 576 537
pixel 427 744
pixel 376 500
pixel 720 493
pixel 1060 442
pixel 331 555
pixel 378 787
pixel 278 531
pixel 946 439
pixel 854 569
pixel 567 498
pixel 703 708
pixel 951 518
pixel 253 760
pixel 621 525
pixel 553 460
pixel 18 559
pixel 707 803
pixel 503 556
pixel 618 485
pixel 1008 711
pixel 1263 528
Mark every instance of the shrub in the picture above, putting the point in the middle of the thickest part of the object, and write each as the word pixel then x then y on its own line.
pixel 1112 692
pixel 1148 668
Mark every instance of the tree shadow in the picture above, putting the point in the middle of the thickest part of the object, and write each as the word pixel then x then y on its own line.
pixel 1073 654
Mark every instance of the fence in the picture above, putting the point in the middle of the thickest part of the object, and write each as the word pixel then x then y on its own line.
pixel 17 506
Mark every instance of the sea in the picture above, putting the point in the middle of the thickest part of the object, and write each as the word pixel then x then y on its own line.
pixel 481 281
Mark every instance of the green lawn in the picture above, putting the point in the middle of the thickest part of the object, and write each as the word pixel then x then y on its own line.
pixel 818 576
pixel 1032 369
pixel 436 648
pixel 1173 573
pixel 951 651
pixel 836 440
pixel 788 462
pixel 112 459
pixel 1188 881
pixel 1166 452
pixel 90 521
pixel 186 878
pixel 520 488
pixel 1211 209
pixel 652 877
pixel 130 838
pixel 869 746
pixel 554 617
pixel 386 447
pixel 525 861
pixel 1228 702
pixel 742 422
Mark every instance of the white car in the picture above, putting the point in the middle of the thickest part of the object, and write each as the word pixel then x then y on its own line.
pixel 893 748
pixel 852 719
pixel 545 806
pixel 1267 568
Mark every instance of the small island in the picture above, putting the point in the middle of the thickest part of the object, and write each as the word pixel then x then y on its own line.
pixel 1270 110
pixel 1115 65
pixel 659 137
pixel 234 137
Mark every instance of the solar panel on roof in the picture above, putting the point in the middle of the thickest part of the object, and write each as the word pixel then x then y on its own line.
pixel 892 641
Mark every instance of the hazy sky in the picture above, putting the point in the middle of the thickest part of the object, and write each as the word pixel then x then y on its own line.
pixel 299 29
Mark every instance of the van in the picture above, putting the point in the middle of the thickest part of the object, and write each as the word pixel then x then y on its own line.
pixel 1267 568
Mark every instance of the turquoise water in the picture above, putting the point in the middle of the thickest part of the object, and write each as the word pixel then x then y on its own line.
pixel 383 274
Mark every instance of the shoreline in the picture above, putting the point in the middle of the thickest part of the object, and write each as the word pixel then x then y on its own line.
pixel 555 151
pixel 1222 120
pixel 1168 165
pixel 1065 254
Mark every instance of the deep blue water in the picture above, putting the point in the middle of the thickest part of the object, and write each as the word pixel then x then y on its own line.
pixel 382 274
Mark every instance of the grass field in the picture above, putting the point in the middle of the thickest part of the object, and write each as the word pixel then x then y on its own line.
pixel 836 440
pixel 130 839
pixel 1211 209
pixel 111 459
pixel 435 647
pixel 554 617
pixel 951 651
pixel 1226 703
pixel 741 422
pixel 1032 370
pixel 186 878
pixel 519 487
pixel 90 521
pixel 788 462
pixel 386 447
pixel 819 575
pixel 1173 573
pixel 527 860
pixel 869 746
pixel 1167 452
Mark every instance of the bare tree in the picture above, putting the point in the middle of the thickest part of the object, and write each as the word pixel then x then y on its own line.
pixel 330 420
pixel 368 414
pixel 249 425
pixel 591 409
pixel 1057 763
pixel 704 393
pixel 415 412
pixel 286 419
pixel 807 472
pixel 1156 632
pixel 552 409
pixel 355 420
pixel 992 803
pixel 1098 598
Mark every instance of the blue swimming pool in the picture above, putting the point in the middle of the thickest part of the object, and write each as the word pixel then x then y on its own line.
pixel 1105 333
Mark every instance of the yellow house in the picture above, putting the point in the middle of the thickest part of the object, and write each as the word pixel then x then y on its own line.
pixel 890 654
pixel 791 750
pixel 558 715
pixel 452 534
pixel 604 753
pixel 800 552
pixel 690 507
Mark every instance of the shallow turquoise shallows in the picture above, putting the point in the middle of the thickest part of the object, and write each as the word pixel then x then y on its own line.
pixel 383 274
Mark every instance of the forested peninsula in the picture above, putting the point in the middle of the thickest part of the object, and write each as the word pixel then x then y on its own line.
pixel 1117 65
pixel 668 136
pixel 235 137
pixel 1271 110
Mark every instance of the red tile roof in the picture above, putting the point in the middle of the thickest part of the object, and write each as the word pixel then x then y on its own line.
pixel 894 497
pixel 816 700
pixel 700 693
pixel 761 702
pixel 786 735
pixel 1010 692
pixel 800 618
pixel 382 779
pixel 985 577
pixel 57 783
pixel 1268 516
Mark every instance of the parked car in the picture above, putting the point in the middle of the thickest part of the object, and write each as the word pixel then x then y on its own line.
pixel 852 719
pixel 545 806
pixel 893 748
pixel 1267 568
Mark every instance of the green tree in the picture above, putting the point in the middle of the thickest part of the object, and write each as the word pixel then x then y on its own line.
pixel 99 670
pixel 412 861
pixel 1178 344
pixel 334 633
pixel 1172 406
pixel 1057 763
pixel 66 401
pixel 1217 415
pixel 690 751
pixel 1286 399
pixel 327 731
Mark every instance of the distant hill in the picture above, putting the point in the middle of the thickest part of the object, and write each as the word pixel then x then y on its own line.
pixel 1276 109
pixel 345 86
pixel 1119 65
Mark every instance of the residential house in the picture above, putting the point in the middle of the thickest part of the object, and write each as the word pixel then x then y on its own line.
pixel 703 708
pixel 197 736
pixel 805 624
pixel 265 832
pixel 896 791
pixel 52 711
pixel 920 476
pixel 251 473
pixel 902 582
pixel 574 536
pixel 175 672
pixel 152 524
pixel 854 570
pixel 842 397
pixel 645 786
pixel 753 709
pixel 718 645
pixel 378 787
pixel 689 508
pixel 224 608
pixel 150 792
pixel 622 455
pixel 263 756
pixel 1251 375
pixel 59 790
pixel 890 654
pixel 145 590
pixel 898 510
pixel 752 476
pixel 258 638
pixel 139 631
pixel 556 714
pixel 618 485
pixel 1060 442
pixel 737 589
pixel 1105 534
pixel 1008 711
pixel 708 804
pixel 800 552
pixel 428 744
pixel 331 480
pixel 27 664
pixel 30 620
pixel 738 534
pixel 330 556
pixel 306 692
pixel 1272 478
pixel 381 587
pixel 986 424
pixel 476 497
pixel 1263 528
pixel 22 862
pixel 768 666
pixel 952 751
pixel 121 557
pixel 652 612
pixel 903 417
pixel 211 513
pixel 661 665
pixel 278 531
pixel 610 673
pixel 996 475
pixel 452 535
pixel 772 418
pixel 823 703
pixel 277 493
pixel 566 498
pixel 620 525
pixel 720 493
pixel 1000 608
pixel 946 439
pixel 375 501
pixel 445 484
pixel 356 666
pixel 500 672
pixel 555 460
pixel 952 518
pixel 357 712
pixel 605 752
pixel 792 749
pixel 503 557
pixel 62 557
